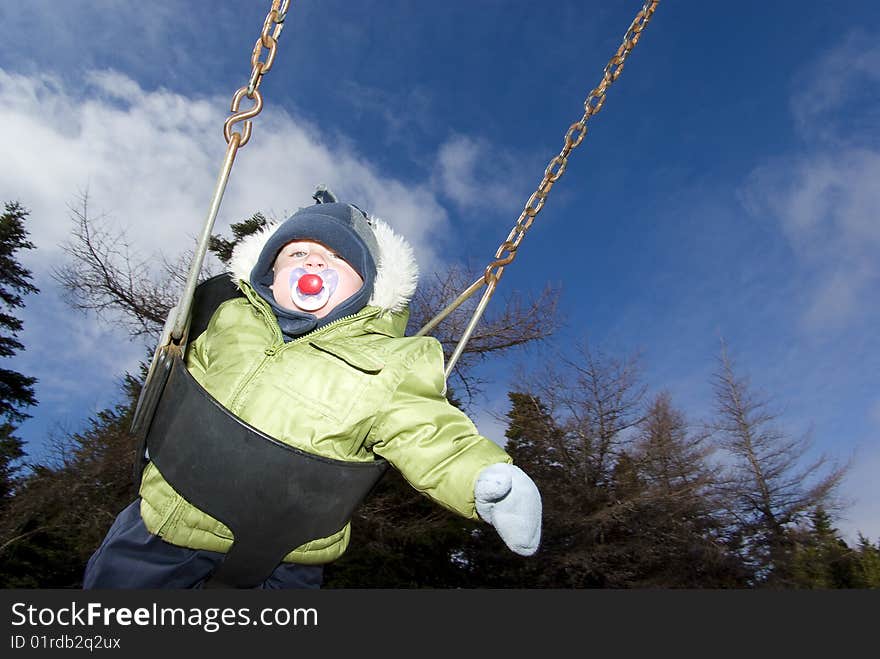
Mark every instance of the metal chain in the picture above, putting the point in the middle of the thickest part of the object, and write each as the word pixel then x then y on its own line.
pixel 575 134
pixel 268 40
pixel 573 137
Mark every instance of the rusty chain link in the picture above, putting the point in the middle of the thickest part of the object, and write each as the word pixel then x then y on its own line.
pixel 573 137
pixel 268 40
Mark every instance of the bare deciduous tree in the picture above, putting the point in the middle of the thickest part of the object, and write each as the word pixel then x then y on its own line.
pixel 769 487
pixel 596 399
pixel 104 275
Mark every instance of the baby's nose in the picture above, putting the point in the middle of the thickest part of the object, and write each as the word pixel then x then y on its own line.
pixel 315 260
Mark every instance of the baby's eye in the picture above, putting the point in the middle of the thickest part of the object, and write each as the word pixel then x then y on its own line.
pixel 298 254
pixel 336 257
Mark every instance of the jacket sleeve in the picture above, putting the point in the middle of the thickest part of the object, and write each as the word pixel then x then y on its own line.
pixel 433 444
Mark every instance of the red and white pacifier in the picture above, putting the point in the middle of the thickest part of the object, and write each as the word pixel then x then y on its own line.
pixel 310 291
pixel 310 284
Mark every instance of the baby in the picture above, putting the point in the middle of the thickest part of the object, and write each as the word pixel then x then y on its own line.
pixel 314 355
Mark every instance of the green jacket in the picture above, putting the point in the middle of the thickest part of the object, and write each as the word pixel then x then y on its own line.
pixel 351 390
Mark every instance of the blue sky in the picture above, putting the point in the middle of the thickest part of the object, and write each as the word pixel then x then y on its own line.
pixel 727 189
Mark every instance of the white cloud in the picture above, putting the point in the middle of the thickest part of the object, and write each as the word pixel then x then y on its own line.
pixel 473 174
pixel 826 204
pixel 825 197
pixel 144 158
pixel 831 83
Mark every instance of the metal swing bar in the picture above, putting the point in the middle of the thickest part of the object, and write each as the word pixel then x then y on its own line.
pixel 173 339
pixel 506 252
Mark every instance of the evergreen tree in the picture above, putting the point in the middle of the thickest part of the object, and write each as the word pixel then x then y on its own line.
pixel 61 511
pixel 866 573
pixel 678 534
pixel 222 247
pixel 533 438
pixel 11 453
pixel 820 558
pixel 16 390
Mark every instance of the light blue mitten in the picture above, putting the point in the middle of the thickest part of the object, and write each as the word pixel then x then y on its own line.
pixel 509 500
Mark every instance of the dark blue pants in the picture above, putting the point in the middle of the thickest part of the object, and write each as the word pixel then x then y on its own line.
pixel 131 557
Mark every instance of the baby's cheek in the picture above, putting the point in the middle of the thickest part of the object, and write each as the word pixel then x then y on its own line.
pixel 281 285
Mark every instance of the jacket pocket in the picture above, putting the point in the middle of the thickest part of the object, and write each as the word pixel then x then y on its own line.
pixel 316 384
pixel 353 355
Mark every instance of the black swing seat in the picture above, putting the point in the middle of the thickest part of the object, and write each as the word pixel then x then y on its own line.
pixel 272 496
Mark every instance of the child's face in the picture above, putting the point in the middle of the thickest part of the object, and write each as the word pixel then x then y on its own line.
pixel 312 278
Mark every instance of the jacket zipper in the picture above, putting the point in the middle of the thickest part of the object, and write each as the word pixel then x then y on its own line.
pixel 279 345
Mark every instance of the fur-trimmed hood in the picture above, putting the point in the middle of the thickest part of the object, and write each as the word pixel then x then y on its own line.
pixel 397 272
